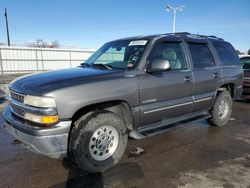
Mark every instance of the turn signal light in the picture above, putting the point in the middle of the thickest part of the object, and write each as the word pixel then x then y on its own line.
pixel 41 119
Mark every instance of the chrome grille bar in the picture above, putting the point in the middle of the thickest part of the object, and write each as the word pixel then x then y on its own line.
pixel 17 96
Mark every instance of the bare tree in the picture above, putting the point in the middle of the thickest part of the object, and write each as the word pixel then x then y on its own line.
pixel 53 44
pixel 239 52
pixel 40 43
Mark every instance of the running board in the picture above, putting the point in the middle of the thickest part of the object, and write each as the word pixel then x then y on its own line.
pixel 136 135
pixel 162 127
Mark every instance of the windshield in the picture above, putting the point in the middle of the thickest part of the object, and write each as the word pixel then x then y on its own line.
pixel 121 54
pixel 245 62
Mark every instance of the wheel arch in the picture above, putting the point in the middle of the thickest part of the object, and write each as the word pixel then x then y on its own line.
pixel 119 107
pixel 226 87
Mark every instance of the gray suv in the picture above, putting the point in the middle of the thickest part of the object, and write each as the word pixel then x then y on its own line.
pixel 133 87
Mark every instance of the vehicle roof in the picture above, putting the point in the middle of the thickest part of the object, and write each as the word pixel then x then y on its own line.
pixel 184 35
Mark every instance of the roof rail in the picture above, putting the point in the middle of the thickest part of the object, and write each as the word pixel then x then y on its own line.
pixel 204 36
pixel 181 33
pixel 214 37
pixel 193 35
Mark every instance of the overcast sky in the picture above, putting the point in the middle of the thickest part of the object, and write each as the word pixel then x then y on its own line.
pixel 90 23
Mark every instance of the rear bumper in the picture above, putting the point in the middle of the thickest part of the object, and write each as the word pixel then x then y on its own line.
pixel 51 141
pixel 246 89
pixel 246 93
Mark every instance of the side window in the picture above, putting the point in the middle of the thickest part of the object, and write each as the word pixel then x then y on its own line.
pixel 201 55
pixel 171 51
pixel 226 53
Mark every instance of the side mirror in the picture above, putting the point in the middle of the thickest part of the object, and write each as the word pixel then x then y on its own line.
pixel 158 65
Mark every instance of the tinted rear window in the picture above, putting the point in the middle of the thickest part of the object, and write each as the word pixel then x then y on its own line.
pixel 226 52
pixel 245 63
pixel 201 55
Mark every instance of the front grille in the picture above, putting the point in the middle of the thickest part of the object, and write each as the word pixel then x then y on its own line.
pixel 19 111
pixel 17 96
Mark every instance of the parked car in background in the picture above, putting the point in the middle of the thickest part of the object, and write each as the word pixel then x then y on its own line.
pixel 245 60
pixel 133 87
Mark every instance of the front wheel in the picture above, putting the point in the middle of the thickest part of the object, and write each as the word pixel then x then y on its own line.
pixel 221 109
pixel 98 141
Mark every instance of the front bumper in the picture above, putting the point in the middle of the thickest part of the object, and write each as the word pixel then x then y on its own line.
pixel 48 141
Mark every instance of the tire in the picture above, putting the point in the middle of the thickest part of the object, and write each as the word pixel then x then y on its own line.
pixel 220 117
pixel 98 141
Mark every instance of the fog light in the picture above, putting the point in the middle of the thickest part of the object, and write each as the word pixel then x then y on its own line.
pixel 41 119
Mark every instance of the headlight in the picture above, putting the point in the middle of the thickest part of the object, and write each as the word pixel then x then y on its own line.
pixel 43 102
pixel 41 119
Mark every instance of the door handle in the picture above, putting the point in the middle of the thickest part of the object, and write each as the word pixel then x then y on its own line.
pixel 187 79
pixel 215 75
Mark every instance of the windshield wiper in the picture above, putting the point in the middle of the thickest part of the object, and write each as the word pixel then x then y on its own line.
pixel 85 65
pixel 103 65
pixel 97 65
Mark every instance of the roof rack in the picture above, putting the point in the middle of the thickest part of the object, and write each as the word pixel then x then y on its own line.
pixel 204 36
pixel 181 33
pixel 191 35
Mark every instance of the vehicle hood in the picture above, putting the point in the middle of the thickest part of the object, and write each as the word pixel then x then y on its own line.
pixel 42 83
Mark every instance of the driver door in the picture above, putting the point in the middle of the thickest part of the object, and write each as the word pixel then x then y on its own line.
pixel 168 94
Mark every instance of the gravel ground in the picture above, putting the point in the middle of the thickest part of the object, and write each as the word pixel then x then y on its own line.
pixel 194 155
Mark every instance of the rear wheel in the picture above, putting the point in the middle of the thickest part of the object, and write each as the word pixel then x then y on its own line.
pixel 221 109
pixel 98 141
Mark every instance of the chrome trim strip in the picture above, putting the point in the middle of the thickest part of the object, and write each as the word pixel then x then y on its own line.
pixel 210 68
pixel 178 105
pixel 17 93
pixel 149 101
pixel 229 66
pixel 201 100
pixel 168 107
pixel 15 112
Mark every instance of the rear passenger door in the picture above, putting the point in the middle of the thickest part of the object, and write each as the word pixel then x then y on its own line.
pixel 207 75
pixel 230 65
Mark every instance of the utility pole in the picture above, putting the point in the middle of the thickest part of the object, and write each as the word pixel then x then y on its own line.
pixel 7 26
pixel 170 8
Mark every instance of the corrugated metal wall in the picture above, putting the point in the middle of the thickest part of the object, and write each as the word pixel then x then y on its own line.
pixel 20 59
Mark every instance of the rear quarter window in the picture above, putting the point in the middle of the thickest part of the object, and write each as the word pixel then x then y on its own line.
pixel 226 53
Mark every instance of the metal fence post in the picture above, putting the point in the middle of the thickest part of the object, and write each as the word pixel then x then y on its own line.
pixel 42 59
pixel 1 63
pixel 70 60
pixel 37 68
